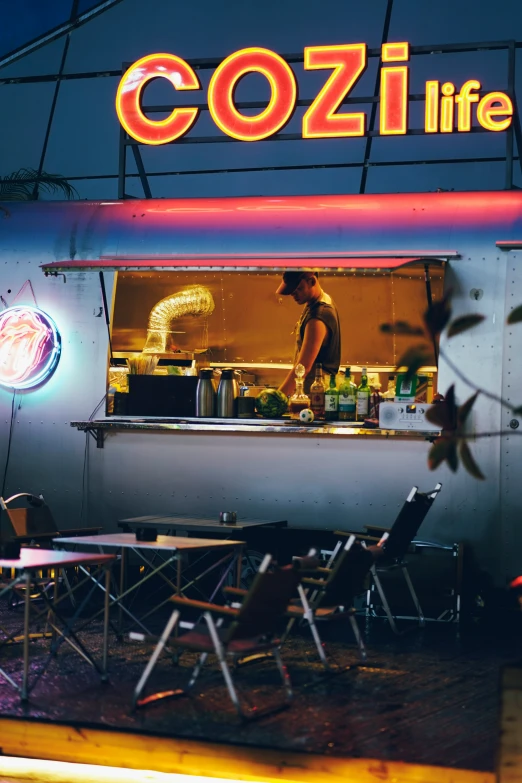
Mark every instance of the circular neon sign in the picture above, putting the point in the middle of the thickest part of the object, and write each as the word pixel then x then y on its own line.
pixel 29 347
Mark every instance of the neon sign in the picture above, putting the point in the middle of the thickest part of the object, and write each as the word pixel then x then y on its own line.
pixel 29 347
pixel 446 109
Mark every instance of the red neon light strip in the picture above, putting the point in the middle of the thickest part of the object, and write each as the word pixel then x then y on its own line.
pixel 244 263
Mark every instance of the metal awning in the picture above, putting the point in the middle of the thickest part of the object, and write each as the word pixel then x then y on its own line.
pixel 389 259
pixel 509 244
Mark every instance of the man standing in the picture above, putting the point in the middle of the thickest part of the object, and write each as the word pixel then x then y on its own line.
pixel 318 331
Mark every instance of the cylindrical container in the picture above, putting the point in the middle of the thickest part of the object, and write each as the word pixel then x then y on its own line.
pixel 205 394
pixel 245 404
pixel 228 517
pixel 227 394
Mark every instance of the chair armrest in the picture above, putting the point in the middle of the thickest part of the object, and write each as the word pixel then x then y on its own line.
pixel 314 582
pixel 235 591
pixel 322 570
pixel 34 537
pixel 203 606
pixel 79 531
pixel 359 536
pixel 377 528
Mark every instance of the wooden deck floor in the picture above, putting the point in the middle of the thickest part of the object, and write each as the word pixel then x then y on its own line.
pixel 427 697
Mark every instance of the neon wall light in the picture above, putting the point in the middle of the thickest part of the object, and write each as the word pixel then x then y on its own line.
pixel 30 346
pixel 326 117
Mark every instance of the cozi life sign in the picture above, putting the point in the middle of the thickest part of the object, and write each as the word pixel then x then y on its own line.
pixel 30 347
pixel 447 107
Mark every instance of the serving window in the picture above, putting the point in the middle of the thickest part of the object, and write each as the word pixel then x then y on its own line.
pixel 251 328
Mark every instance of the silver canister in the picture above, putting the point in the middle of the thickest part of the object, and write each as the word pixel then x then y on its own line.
pixel 205 394
pixel 227 395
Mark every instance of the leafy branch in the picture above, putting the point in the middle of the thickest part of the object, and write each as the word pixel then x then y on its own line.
pixel 452 446
pixel 20 185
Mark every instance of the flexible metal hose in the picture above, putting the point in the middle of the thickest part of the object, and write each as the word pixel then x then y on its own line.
pixel 192 300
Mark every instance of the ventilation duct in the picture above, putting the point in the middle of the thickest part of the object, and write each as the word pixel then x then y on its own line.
pixel 195 300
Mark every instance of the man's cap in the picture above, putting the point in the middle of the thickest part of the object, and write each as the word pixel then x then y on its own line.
pixel 291 280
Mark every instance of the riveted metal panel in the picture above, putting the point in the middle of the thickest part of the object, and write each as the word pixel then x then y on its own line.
pixel 478 283
pixel 510 521
pixel 46 455
pixel 335 482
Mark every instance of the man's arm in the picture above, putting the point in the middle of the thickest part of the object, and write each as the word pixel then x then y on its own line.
pixel 314 336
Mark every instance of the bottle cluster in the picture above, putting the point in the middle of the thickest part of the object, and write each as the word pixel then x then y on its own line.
pixel 330 401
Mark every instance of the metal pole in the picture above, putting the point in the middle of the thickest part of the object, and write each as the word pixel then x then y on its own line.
pixel 141 171
pixel 373 113
pixel 107 319
pixel 27 612
pixel 429 298
pixel 510 131
pixel 122 158
pixel 106 607
pixel 74 13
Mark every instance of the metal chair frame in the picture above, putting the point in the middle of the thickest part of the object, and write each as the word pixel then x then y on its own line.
pixel 35 526
pixel 391 549
pixel 251 629
pixel 334 578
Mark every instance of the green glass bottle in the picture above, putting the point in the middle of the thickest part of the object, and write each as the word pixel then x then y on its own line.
pixel 331 401
pixel 347 397
pixel 317 393
pixel 363 396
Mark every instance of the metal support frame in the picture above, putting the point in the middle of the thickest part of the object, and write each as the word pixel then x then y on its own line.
pixel 98 434
pixel 373 112
pixel 513 133
pixel 75 21
pixel 63 629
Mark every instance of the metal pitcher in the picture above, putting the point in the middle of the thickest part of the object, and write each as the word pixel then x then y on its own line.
pixel 228 392
pixel 205 394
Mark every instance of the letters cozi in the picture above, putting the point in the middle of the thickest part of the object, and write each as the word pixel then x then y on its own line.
pixel 346 63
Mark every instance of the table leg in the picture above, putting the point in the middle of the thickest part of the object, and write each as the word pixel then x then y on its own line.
pixel 27 610
pixel 239 566
pixel 178 575
pixel 175 657
pixel 106 622
pixel 50 614
pixel 123 581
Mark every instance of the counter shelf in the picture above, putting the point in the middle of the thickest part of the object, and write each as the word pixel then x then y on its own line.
pixel 98 428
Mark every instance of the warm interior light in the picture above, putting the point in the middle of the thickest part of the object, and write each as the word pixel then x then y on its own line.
pixel 65 772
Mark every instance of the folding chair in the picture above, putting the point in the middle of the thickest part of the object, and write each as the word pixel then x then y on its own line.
pixel 34 525
pixel 328 594
pixel 250 629
pixel 391 548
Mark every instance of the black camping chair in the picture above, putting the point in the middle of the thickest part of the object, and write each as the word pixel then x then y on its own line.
pixel 391 548
pixel 33 525
pixel 331 593
pixel 247 630
pixel 328 594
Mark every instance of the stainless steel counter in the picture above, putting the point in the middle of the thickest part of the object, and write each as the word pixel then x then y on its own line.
pixel 99 427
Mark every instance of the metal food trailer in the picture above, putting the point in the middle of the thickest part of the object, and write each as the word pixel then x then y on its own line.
pixel 97 269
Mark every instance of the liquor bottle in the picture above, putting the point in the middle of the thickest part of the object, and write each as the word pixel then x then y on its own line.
pixel 299 400
pixel 389 394
pixel 363 397
pixel 331 401
pixel 347 396
pixel 317 393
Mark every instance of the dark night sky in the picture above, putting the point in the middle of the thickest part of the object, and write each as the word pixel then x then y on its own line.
pixel 85 131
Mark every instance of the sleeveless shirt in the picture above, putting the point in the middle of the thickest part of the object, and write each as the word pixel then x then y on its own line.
pixel 330 352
